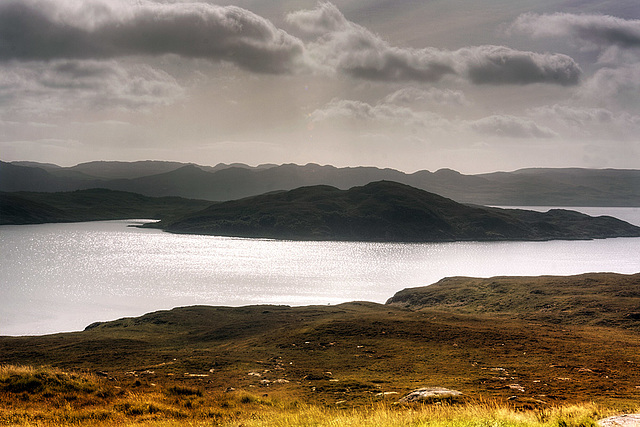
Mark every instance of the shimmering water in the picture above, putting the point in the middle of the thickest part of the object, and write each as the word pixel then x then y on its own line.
pixel 62 277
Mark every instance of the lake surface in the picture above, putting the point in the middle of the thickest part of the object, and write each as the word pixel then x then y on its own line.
pixel 62 277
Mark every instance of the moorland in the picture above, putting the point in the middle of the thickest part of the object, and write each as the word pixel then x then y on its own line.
pixel 524 351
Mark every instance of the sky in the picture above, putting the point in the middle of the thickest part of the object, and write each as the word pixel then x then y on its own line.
pixel 474 86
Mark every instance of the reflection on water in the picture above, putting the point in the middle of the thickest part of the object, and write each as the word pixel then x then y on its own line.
pixel 60 277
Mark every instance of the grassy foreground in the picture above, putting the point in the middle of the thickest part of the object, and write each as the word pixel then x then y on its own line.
pixel 547 351
pixel 49 397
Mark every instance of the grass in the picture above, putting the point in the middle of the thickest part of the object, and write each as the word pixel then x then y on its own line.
pixel 50 397
pixel 47 397
pixel 516 362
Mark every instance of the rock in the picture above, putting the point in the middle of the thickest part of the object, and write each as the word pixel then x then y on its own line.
pixel 629 420
pixel 430 394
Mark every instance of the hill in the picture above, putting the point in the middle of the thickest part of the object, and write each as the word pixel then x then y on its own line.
pixel 89 205
pixel 526 187
pixel 386 211
pixel 588 299
pixel 352 353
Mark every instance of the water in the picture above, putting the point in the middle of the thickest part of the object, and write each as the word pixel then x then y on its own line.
pixel 62 277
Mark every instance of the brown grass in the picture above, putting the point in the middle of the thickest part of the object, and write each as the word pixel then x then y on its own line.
pixel 49 397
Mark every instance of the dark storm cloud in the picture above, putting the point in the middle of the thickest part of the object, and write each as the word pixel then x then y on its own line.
pixel 602 30
pixel 32 30
pixel 351 49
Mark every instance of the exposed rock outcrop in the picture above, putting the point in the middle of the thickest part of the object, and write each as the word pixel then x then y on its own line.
pixel 431 394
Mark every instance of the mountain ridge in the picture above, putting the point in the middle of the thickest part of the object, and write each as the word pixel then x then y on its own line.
pixel 523 187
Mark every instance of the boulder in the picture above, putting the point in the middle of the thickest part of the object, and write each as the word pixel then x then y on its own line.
pixel 628 420
pixel 430 394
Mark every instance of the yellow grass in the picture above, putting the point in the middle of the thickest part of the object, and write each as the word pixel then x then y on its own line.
pixel 47 397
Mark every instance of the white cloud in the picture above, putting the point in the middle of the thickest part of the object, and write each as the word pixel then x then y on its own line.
pixel 40 88
pixel 613 87
pixel 592 30
pixel 395 119
pixel 511 126
pixel 586 122
pixel 325 18
pixel 354 50
pixel 428 97
pixel 379 113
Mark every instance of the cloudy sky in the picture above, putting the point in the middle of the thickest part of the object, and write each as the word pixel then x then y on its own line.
pixel 408 84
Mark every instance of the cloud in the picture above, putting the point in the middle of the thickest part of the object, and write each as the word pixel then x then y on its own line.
pixel 95 29
pixel 362 111
pixel 598 30
pixel 613 87
pixel 511 126
pixel 430 96
pixel 37 87
pixel 43 30
pixel 503 65
pixel 591 122
pixel 346 47
pixel 325 18
pixel 575 116
pixel 397 118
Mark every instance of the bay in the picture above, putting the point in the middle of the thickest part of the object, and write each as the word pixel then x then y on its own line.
pixel 62 277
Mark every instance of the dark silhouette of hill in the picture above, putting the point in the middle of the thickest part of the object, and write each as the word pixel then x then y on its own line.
pixel 387 211
pixel 123 170
pixel 89 205
pixel 526 187
pixel 29 178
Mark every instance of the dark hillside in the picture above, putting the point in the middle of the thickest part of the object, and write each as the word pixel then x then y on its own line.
pixel 386 211
pixel 89 205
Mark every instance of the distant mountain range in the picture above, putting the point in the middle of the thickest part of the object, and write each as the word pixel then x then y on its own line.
pixel 525 187
pixel 386 211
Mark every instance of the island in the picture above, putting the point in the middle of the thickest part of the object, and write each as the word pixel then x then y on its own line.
pixel 386 211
